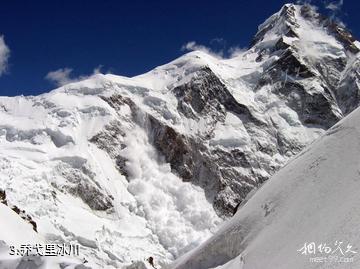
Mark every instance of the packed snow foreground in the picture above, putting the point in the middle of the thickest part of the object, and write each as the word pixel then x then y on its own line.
pixel 137 172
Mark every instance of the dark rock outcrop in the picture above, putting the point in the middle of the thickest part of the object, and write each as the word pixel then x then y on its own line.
pixel 17 210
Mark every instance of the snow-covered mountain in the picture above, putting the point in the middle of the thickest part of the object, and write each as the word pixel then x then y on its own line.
pixel 312 201
pixel 149 166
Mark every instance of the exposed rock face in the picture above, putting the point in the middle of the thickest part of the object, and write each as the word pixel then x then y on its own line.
pixel 215 168
pixel 17 210
pixel 348 91
pixel 208 97
pixel 80 182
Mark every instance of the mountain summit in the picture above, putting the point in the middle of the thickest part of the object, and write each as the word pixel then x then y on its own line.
pixel 149 166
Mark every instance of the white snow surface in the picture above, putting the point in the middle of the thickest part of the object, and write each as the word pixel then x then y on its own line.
pixel 44 138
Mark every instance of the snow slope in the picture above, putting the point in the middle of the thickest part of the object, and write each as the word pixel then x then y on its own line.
pixel 75 194
pixel 149 166
pixel 314 198
pixel 14 231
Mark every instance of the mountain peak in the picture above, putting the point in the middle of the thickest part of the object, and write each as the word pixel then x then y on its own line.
pixel 294 21
pixel 279 23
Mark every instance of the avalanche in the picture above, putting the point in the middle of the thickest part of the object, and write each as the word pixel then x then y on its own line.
pixel 75 194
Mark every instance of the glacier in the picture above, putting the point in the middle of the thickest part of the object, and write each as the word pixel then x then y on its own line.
pixel 148 168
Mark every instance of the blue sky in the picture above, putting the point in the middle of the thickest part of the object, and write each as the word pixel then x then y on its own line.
pixel 122 37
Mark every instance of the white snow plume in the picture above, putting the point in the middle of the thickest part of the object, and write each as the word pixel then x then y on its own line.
pixel 4 55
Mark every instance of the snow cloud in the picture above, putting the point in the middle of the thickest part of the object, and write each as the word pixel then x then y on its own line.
pixel 4 56
pixel 235 51
pixel 60 76
pixel 335 6
pixel 218 40
pixel 220 53
pixel 335 10
pixel 192 46
pixel 63 76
